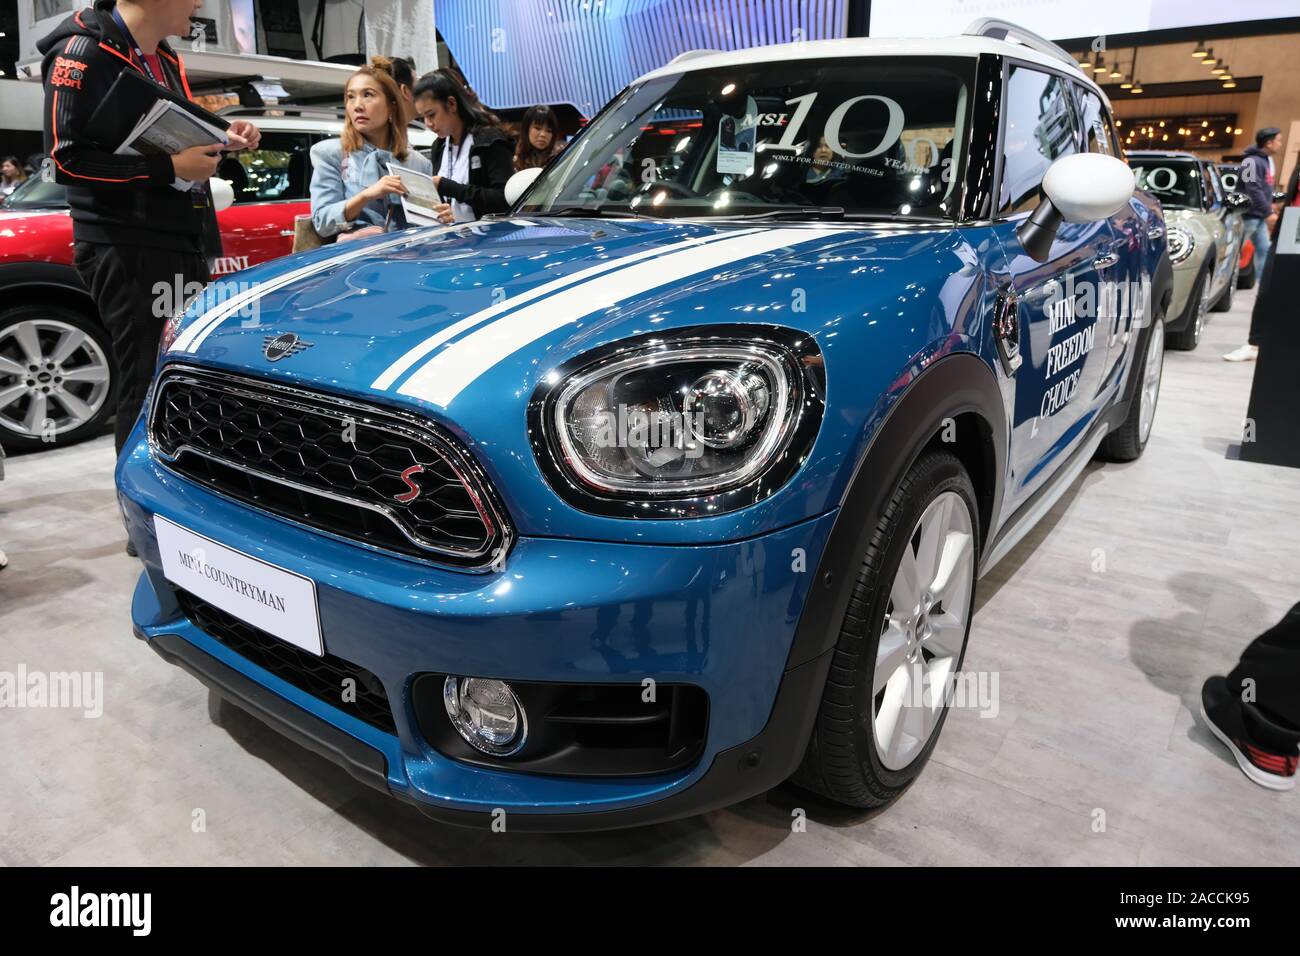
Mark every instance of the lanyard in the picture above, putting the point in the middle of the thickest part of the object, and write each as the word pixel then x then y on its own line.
pixel 139 54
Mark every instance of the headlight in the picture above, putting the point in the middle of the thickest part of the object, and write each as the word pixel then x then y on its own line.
pixel 171 329
pixel 1181 244
pixel 693 423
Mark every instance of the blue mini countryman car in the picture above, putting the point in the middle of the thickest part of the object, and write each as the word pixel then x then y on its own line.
pixel 676 482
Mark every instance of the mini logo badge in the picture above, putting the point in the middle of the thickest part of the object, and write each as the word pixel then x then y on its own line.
pixel 276 347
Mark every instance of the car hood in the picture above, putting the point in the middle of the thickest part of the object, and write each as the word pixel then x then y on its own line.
pixel 460 325
pixel 440 316
pixel 20 222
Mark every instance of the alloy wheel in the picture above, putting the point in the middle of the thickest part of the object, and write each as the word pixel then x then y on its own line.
pixel 923 632
pixel 53 377
pixel 1151 380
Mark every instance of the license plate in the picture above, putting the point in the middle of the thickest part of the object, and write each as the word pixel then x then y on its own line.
pixel 267 597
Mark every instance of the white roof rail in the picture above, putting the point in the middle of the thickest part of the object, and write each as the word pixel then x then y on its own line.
pixel 690 55
pixel 996 29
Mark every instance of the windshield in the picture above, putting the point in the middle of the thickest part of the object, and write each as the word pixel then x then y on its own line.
pixel 876 136
pixel 36 193
pixel 1176 184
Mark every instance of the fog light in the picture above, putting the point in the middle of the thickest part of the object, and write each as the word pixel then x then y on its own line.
pixel 486 713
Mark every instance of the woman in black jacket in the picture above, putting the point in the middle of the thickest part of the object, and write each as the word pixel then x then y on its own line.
pixel 473 158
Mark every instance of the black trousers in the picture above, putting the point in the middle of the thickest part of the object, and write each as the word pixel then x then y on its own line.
pixel 1272 662
pixel 136 289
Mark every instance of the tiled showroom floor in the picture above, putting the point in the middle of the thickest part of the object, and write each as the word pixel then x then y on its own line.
pixel 1095 756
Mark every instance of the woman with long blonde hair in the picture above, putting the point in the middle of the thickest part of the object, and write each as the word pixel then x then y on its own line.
pixel 352 192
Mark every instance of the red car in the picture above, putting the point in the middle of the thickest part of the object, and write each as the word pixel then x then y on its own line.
pixel 56 366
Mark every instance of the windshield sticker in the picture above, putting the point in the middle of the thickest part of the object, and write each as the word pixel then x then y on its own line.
pixel 736 136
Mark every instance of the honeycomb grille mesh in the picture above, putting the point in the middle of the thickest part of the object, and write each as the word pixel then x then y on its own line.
pixel 355 471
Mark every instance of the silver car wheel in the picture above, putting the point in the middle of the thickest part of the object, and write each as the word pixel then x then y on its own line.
pixel 1151 380
pixel 53 377
pixel 923 631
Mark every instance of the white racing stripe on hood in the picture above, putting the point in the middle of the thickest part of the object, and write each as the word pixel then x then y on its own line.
pixel 444 376
pixel 399 368
pixel 192 338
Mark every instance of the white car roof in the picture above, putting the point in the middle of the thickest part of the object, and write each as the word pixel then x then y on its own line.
pixel 866 46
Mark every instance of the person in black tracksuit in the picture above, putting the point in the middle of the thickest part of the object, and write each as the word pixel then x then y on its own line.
pixel 132 227
pixel 1255 710
pixel 473 158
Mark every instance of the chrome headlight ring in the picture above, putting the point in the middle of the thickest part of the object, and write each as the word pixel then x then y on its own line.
pixel 689 423
pixel 1181 244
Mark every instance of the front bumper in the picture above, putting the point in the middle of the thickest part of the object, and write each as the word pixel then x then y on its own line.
pixel 718 616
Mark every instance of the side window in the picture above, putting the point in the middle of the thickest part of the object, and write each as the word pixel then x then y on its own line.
pixel 279 168
pixel 1040 129
pixel 1098 136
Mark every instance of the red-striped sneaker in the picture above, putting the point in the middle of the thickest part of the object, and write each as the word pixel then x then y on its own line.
pixel 1262 765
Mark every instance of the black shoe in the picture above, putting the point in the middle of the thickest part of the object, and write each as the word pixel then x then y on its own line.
pixel 1262 764
pixel 130 549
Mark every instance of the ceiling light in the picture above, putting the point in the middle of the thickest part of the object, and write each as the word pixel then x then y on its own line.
pixel 1199 52
pixel 1219 70
pixel 1115 74
pixel 1237 131
pixel 1230 85
pixel 1210 59
pixel 1126 85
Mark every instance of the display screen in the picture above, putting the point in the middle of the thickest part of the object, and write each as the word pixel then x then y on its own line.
pixel 1069 19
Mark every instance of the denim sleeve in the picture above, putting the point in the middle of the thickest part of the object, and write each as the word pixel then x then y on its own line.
pixel 327 193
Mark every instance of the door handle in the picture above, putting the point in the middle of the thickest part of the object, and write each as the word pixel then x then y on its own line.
pixel 1155 232
pixel 286 233
pixel 1106 261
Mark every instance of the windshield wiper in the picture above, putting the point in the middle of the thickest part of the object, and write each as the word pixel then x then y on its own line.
pixel 593 212
pixel 797 213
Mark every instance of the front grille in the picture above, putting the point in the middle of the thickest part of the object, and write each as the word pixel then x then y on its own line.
pixel 361 472
pixel 582 730
pixel 322 677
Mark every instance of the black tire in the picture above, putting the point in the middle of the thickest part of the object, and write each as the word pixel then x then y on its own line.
pixel 1126 443
pixel 1246 277
pixel 1189 336
pixel 842 762
pixel 12 439
pixel 1224 301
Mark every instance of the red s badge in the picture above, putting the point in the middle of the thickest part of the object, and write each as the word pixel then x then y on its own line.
pixel 414 493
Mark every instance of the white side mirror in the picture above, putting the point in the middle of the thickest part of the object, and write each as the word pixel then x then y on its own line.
pixel 223 194
pixel 1085 187
pixel 1088 187
pixel 518 184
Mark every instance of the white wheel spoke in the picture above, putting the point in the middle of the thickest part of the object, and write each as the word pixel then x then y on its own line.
pixel 946 633
pixel 934 529
pixel 35 415
pixel 25 335
pixel 10 367
pixel 11 395
pixel 891 654
pixel 68 343
pixel 953 559
pixel 88 373
pixel 75 406
pixel 906 590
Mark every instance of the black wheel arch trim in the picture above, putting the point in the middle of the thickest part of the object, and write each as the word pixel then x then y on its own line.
pixel 957 384
pixel 14 275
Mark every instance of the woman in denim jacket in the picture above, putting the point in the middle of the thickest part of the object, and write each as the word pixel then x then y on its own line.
pixel 352 193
